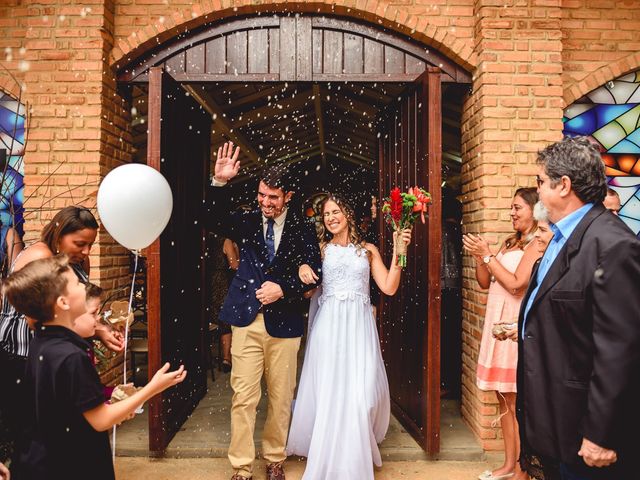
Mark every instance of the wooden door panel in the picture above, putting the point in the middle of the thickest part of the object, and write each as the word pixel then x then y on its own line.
pixel 179 143
pixel 305 47
pixel 409 326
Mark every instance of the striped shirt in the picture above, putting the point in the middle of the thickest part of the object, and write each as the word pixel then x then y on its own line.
pixel 15 334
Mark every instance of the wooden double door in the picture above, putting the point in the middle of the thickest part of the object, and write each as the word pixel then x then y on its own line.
pixel 409 154
pixel 304 47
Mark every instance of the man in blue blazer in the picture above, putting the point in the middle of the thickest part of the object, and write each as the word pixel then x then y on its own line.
pixel 265 307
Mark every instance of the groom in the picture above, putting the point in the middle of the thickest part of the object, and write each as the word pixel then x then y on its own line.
pixel 265 308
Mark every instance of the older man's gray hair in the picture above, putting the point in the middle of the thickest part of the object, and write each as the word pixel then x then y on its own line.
pixel 580 160
pixel 540 212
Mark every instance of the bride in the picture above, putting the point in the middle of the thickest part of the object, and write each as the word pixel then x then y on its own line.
pixel 342 409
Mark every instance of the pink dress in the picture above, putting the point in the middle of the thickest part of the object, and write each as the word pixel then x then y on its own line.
pixel 497 360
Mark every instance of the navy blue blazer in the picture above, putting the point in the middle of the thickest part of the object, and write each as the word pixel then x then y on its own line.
pixel 298 245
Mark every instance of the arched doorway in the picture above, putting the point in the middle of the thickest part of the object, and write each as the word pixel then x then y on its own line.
pixel 386 92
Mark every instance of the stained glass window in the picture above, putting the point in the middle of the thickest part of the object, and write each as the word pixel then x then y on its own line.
pixel 610 116
pixel 12 139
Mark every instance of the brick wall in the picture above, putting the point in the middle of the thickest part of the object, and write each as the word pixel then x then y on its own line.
pixel 601 41
pixel 514 110
pixel 76 127
pixel 117 149
pixel 524 55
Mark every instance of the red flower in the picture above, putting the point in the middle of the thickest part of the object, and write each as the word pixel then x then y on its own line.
pixel 424 199
pixel 396 204
pixel 421 195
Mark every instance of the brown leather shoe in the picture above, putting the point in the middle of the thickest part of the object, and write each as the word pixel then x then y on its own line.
pixel 240 477
pixel 275 471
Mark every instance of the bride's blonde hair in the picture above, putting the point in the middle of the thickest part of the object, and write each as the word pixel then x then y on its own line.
pixel 324 237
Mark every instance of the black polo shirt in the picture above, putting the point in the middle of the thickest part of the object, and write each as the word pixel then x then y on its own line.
pixel 62 383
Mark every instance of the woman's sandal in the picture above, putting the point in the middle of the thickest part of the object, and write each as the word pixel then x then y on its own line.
pixel 488 475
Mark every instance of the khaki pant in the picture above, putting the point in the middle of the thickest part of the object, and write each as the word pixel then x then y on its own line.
pixel 254 353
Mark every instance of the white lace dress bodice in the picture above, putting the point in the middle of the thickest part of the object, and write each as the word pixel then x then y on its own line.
pixel 345 273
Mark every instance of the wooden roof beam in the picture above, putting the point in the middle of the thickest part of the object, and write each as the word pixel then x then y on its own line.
pixel 352 105
pixel 348 159
pixel 280 124
pixel 273 112
pixel 346 153
pixel 354 131
pixel 289 159
pixel 317 102
pixel 280 153
pixel 349 148
pixel 253 97
pixel 299 153
pixel 220 121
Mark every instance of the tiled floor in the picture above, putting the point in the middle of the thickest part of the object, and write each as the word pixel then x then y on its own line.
pixel 206 432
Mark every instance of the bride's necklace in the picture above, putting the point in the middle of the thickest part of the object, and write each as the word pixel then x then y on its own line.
pixel 344 243
pixel 340 244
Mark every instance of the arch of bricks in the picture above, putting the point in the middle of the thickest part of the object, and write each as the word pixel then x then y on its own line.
pixel 9 86
pixel 378 12
pixel 601 76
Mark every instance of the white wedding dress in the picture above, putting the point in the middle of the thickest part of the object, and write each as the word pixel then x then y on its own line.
pixel 342 409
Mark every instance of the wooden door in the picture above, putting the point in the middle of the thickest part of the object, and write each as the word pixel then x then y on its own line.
pixel 410 154
pixel 178 146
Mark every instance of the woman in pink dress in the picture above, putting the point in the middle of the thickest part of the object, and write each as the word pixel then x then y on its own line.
pixel 506 275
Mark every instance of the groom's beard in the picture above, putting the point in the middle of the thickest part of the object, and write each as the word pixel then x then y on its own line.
pixel 272 212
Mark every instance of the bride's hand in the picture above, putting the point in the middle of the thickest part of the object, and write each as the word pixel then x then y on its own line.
pixel 406 235
pixel 307 275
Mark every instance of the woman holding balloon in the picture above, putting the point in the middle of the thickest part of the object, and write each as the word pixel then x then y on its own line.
pixel 72 231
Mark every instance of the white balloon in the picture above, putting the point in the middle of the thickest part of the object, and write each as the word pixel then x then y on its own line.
pixel 135 203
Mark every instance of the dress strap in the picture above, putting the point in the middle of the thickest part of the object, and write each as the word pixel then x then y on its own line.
pixel 80 273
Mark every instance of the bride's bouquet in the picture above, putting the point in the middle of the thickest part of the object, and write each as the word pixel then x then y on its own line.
pixel 401 210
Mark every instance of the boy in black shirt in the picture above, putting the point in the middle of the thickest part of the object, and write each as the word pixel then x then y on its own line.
pixel 69 436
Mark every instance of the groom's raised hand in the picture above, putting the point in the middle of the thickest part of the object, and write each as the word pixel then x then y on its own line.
pixel 227 163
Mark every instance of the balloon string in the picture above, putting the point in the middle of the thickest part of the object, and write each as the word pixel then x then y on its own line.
pixel 126 328
pixel 126 342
